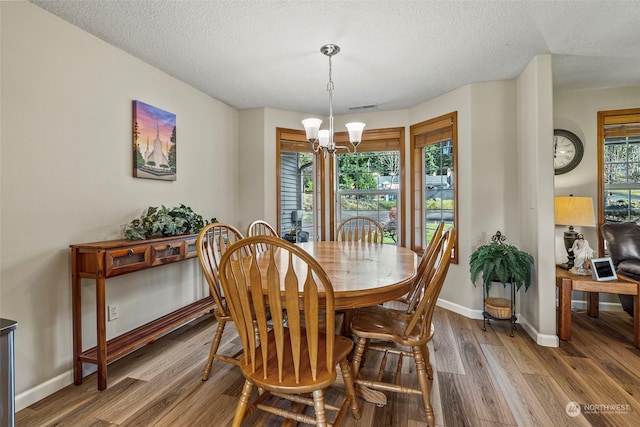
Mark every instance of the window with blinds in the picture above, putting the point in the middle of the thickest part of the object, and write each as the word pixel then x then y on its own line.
pixel 299 183
pixel 434 178
pixel 619 165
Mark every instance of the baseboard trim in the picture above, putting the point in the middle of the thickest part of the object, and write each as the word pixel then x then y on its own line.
pixel 544 340
pixel 603 306
pixel 35 394
pixel 460 309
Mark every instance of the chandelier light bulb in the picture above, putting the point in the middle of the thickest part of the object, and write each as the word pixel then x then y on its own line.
pixel 311 127
pixel 355 132
pixel 323 138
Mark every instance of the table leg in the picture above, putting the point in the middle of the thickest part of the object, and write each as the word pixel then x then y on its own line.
pixel 564 308
pixel 76 309
pixel 593 304
pixel 636 318
pixel 101 333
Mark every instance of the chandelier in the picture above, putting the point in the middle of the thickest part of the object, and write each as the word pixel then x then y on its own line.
pixel 323 139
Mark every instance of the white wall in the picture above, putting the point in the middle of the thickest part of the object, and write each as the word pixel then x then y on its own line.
pixel 66 177
pixel 535 196
pixel 252 168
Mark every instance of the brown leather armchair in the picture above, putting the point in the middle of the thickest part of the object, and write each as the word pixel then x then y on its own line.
pixel 623 245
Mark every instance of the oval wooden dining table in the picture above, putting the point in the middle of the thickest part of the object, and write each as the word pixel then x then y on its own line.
pixel 364 274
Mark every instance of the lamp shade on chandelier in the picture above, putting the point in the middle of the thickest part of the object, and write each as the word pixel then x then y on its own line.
pixel 323 139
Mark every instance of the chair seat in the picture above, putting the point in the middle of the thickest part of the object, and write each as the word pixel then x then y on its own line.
pixel 342 347
pixel 382 323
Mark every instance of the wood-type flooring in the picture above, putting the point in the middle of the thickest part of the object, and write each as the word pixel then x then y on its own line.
pixel 481 379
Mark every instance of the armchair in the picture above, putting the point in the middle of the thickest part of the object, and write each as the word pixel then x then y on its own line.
pixel 623 244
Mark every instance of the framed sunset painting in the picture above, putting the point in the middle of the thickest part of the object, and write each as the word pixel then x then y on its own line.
pixel 154 142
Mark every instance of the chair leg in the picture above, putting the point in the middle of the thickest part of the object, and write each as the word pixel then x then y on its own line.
pixel 357 357
pixel 214 349
pixel 427 361
pixel 425 385
pixel 242 404
pixel 318 405
pixel 350 389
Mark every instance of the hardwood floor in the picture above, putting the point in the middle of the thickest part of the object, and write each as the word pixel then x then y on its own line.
pixel 481 379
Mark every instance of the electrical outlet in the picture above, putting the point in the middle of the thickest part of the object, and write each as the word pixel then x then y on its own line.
pixel 114 312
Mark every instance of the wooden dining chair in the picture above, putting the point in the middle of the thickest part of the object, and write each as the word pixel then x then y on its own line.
pixel 360 229
pixel 289 361
pixel 261 228
pixel 410 300
pixel 213 240
pixel 410 329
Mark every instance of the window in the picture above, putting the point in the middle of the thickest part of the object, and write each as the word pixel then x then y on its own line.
pixel 433 179
pixel 369 182
pixel 299 172
pixel 619 166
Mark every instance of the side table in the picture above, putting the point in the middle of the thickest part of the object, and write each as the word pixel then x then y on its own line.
pixel 567 282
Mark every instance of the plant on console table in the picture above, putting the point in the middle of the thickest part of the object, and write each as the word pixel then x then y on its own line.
pixel 163 221
pixel 503 263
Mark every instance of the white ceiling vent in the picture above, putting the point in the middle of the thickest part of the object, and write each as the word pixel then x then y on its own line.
pixel 363 107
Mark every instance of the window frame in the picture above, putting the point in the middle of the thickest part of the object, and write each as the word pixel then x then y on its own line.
pixel 385 139
pixel 428 132
pixel 605 118
pixel 292 140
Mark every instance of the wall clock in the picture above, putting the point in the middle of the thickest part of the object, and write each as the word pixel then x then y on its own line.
pixel 567 151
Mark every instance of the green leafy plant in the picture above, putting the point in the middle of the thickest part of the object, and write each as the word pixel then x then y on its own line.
pixel 163 221
pixel 501 262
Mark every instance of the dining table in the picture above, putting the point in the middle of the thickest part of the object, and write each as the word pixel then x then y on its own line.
pixel 364 274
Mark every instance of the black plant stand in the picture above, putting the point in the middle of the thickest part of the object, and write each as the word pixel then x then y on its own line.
pixel 486 317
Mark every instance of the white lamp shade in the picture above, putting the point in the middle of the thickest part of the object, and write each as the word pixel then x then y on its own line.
pixel 323 137
pixel 311 127
pixel 355 132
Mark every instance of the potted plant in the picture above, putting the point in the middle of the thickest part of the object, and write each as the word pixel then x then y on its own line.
pixel 501 262
pixel 160 222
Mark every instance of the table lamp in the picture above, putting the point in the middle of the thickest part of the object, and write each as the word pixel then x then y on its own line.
pixel 573 211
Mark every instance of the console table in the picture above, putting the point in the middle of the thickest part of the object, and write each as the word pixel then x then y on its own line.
pixel 102 260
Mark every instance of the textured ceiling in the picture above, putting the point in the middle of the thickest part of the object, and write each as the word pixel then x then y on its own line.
pixel 395 54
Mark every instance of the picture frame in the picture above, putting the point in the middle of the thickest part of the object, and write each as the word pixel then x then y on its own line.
pixel 602 269
pixel 154 142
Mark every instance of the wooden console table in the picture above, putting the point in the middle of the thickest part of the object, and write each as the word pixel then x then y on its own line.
pixel 102 260
pixel 567 282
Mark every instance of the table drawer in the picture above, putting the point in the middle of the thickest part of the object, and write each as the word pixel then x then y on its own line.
pixel 190 250
pixel 166 252
pixel 119 261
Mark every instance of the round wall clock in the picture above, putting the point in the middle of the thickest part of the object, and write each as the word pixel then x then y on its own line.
pixel 567 151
